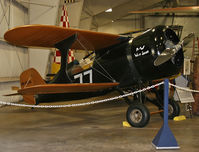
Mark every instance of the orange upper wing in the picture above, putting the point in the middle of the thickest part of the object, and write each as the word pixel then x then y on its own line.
pixel 48 36
pixel 193 9
pixel 65 88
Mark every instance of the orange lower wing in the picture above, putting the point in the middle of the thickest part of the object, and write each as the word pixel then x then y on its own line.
pixel 65 88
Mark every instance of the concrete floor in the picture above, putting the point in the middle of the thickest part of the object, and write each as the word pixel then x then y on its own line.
pixel 95 128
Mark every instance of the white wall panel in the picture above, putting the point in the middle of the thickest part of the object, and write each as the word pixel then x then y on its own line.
pixel 39 59
pixel 19 16
pixel 4 17
pixel 40 14
pixel 74 13
pixel 12 14
pixel 13 60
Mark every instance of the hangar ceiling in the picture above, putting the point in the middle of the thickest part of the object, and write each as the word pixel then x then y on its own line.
pixel 95 9
pixel 121 8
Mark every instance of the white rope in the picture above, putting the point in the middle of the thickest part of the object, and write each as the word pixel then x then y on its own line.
pixel 184 89
pixel 95 102
pixel 80 104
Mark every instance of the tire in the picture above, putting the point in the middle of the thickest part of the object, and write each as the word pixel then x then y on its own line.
pixel 173 109
pixel 137 115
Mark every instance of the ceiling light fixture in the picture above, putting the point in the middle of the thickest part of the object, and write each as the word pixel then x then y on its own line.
pixel 108 10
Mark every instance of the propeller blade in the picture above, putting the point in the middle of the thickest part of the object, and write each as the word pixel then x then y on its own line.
pixel 187 39
pixel 170 52
pixel 164 56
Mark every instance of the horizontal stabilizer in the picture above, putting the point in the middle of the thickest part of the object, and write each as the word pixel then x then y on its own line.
pixel 12 94
pixel 65 88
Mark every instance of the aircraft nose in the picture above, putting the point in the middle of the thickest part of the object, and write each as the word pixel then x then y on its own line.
pixel 179 57
pixel 173 50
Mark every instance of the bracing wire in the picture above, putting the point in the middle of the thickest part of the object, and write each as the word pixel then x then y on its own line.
pixel 108 75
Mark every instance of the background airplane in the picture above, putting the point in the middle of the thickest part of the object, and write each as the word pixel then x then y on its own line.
pixel 120 63
pixel 190 9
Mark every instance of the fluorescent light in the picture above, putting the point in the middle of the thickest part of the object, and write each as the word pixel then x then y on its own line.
pixel 108 10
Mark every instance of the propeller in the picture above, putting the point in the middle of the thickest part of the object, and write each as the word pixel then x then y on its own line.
pixel 172 49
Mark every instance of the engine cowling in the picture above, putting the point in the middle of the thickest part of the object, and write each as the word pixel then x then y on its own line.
pixel 148 46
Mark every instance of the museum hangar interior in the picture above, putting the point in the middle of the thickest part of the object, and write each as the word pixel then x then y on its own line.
pixel 106 75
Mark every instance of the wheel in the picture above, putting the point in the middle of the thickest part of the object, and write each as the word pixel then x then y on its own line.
pixel 173 109
pixel 138 115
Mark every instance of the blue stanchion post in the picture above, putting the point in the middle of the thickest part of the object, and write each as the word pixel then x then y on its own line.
pixel 165 138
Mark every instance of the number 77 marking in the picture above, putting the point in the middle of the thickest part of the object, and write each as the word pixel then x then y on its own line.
pixel 80 76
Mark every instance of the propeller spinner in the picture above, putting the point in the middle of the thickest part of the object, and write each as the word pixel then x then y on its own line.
pixel 172 49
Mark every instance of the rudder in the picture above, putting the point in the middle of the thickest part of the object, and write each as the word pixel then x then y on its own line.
pixel 30 78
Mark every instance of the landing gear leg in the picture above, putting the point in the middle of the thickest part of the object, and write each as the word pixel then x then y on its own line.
pixel 127 100
pixel 173 106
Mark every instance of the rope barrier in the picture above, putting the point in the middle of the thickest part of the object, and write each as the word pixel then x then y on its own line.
pixel 94 102
pixel 184 89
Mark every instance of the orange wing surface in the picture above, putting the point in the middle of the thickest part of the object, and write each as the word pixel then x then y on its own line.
pixel 193 9
pixel 48 36
pixel 65 88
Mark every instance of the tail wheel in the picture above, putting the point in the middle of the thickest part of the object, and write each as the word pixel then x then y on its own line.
pixel 138 115
pixel 173 109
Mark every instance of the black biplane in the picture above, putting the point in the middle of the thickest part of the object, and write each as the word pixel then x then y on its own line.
pixel 119 63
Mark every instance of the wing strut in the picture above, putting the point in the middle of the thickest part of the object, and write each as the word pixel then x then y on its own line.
pixel 63 46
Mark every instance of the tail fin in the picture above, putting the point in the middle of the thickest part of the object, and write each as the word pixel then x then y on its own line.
pixel 30 78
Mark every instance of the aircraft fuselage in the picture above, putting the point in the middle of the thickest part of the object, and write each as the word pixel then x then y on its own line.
pixel 132 61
